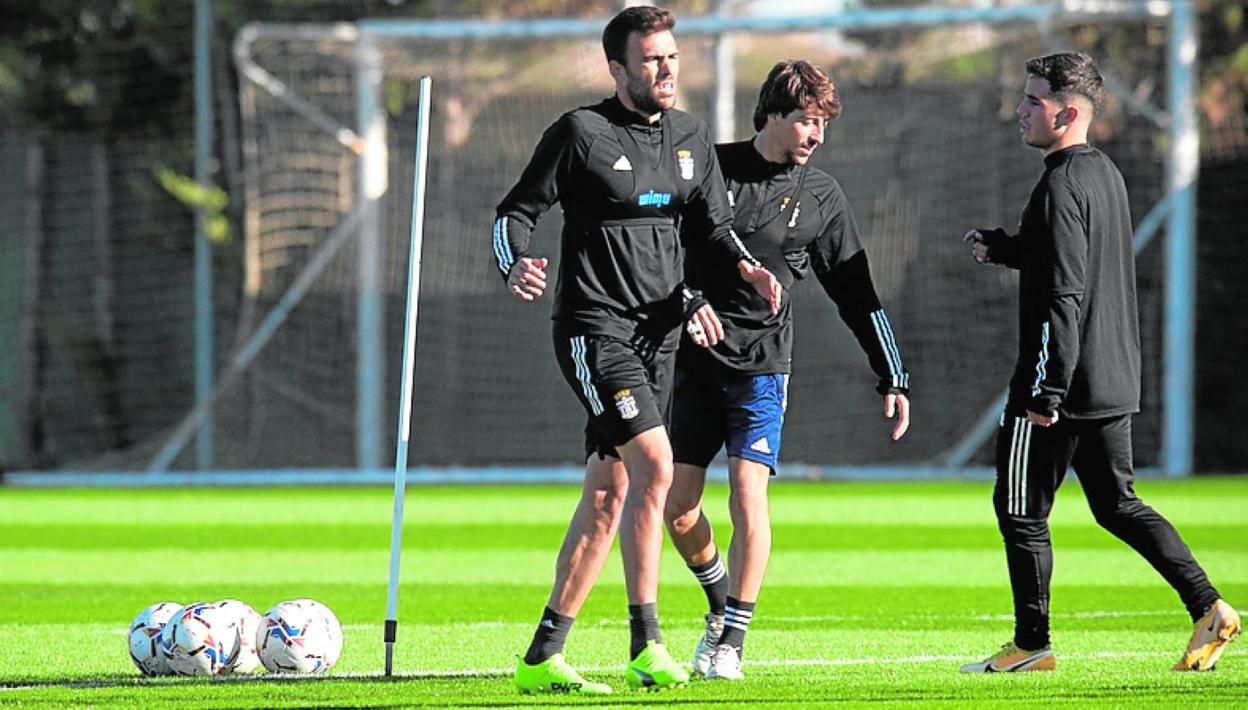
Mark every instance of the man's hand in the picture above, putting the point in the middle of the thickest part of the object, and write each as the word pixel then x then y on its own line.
pixel 527 278
pixel 979 250
pixel 764 282
pixel 1045 420
pixel 704 327
pixel 900 404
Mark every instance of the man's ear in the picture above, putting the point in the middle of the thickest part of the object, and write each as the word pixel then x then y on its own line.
pixel 616 70
pixel 1068 115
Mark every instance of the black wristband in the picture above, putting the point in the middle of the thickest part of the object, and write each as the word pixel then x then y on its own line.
pixel 690 301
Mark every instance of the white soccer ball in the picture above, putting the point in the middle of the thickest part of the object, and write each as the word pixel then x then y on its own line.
pixel 145 637
pixel 200 640
pixel 249 623
pixel 300 636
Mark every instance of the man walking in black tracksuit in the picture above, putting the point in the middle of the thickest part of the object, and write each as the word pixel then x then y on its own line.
pixel 1076 381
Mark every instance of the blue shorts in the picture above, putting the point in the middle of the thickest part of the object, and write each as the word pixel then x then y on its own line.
pixel 742 413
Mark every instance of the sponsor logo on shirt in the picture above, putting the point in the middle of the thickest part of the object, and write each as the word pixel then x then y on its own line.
pixel 622 164
pixel 654 199
pixel 626 404
pixel 684 159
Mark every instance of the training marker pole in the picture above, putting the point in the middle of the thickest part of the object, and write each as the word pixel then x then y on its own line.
pixel 409 365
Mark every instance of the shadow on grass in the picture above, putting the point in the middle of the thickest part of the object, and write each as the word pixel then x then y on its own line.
pixel 480 690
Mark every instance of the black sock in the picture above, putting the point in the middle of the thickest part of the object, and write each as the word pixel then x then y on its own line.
pixel 737 617
pixel 714 581
pixel 550 636
pixel 643 625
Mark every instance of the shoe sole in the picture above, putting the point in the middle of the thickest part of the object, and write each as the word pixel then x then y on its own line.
pixel 656 687
pixel 1044 663
pixel 578 692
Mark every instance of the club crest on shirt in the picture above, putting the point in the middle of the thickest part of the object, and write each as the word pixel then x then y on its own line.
pixel 684 159
pixel 797 209
pixel 626 404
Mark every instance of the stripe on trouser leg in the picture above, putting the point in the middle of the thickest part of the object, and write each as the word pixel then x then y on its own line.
pixel 1010 487
pixel 1024 457
pixel 1020 448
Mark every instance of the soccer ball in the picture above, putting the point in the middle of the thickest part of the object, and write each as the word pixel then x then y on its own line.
pixel 248 630
pixel 201 640
pixel 145 637
pixel 334 650
pixel 300 636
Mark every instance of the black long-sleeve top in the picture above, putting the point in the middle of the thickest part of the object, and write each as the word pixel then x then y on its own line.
pixel 816 234
pixel 1078 337
pixel 625 186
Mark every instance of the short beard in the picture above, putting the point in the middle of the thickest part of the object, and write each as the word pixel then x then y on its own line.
pixel 644 101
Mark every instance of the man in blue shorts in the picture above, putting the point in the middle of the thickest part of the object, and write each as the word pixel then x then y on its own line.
pixel 796 220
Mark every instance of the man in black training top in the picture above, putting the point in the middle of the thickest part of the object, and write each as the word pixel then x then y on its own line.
pixel 796 220
pixel 1076 381
pixel 626 171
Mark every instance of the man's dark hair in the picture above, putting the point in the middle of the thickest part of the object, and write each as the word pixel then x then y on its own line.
pixel 641 18
pixel 1070 74
pixel 792 85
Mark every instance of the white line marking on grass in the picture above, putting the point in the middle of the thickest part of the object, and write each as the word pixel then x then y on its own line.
pixel 805 619
pixel 775 663
pixel 505 672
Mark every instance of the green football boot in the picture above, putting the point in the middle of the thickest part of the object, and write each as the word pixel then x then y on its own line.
pixel 554 675
pixel 654 669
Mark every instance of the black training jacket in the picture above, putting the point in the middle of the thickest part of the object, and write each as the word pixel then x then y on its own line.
pixel 1079 337
pixel 625 186
pixel 792 236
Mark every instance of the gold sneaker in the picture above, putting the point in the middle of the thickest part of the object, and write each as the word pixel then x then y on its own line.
pixel 1217 628
pixel 1012 659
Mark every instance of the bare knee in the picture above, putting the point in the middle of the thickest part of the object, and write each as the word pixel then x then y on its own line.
pixel 681 514
pixel 604 492
pixel 747 499
pixel 609 501
pixel 651 481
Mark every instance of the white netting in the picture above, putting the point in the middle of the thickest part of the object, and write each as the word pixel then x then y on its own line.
pixel 926 147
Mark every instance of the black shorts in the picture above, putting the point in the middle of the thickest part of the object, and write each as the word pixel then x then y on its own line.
pixel 625 387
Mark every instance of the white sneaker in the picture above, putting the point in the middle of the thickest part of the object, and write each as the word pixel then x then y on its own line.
pixel 725 663
pixel 705 649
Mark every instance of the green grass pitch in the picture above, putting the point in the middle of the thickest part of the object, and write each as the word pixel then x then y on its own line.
pixel 875 593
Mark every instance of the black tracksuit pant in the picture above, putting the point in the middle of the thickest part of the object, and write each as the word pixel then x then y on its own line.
pixel 1031 463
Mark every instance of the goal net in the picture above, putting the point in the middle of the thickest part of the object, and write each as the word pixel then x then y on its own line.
pixel 927 147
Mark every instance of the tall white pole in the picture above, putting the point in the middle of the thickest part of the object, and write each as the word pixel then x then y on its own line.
pixel 409 365
pixel 370 308
pixel 1179 369
pixel 723 86
pixel 204 137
